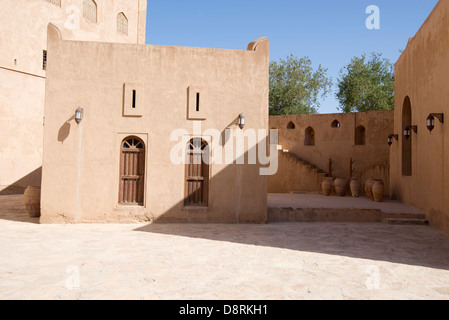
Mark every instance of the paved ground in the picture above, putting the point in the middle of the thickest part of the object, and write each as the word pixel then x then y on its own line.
pixel 275 261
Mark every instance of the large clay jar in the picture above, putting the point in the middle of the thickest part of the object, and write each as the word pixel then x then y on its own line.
pixel 369 188
pixel 355 187
pixel 341 187
pixel 327 187
pixel 378 191
pixel 32 200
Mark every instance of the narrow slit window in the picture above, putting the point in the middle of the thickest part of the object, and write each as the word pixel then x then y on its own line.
pixel 197 102
pixel 44 60
pixel 134 99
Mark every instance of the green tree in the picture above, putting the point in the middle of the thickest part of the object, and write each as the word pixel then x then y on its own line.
pixel 366 85
pixel 295 87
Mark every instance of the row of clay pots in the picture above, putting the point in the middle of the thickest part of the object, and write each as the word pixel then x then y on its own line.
pixel 341 187
pixel 374 189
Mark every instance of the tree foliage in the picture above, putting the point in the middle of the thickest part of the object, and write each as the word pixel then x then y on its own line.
pixel 366 85
pixel 295 87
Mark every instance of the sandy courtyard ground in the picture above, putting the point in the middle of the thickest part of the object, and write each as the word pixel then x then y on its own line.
pixel 274 261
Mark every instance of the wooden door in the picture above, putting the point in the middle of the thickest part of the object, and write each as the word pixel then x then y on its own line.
pixel 197 173
pixel 132 172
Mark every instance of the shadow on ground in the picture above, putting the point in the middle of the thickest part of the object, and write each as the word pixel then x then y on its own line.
pixel 411 245
pixel 12 208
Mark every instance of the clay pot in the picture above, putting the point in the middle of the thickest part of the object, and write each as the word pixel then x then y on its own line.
pixel 32 200
pixel 341 187
pixel 378 191
pixel 369 188
pixel 355 187
pixel 327 187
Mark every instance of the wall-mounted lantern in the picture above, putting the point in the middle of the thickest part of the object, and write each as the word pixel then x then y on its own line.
pixel 408 131
pixel 390 138
pixel 79 115
pixel 242 121
pixel 431 120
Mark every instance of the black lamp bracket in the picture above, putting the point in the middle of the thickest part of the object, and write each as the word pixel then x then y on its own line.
pixel 439 116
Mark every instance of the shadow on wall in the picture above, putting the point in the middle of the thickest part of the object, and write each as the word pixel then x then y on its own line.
pixel 64 131
pixel 236 194
pixel 32 179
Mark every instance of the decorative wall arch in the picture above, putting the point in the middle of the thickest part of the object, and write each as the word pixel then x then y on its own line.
pixel 309 137
pixel 406 143
pixel 360 136
pixel 122 24
pixel 90 10
pixel 335 124
pixel 291 125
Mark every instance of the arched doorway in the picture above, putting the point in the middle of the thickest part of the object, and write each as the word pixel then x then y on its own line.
pixel 197 173
pixel 132 172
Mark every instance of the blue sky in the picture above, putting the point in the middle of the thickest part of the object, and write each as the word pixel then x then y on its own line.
pixel 330 32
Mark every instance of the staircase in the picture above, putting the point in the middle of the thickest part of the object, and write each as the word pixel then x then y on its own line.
pixel 296 175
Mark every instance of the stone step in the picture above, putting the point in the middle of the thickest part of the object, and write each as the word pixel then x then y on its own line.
pixel 405 221
pixel 403 215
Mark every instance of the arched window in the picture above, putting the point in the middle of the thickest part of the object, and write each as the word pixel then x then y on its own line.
pixel 55 2
pixel 406 143
pixel 197 173
pixel 132 172
pixel 335 124
pixel 309 139
pixel 360 133
pixel 90 10
pixel 291 125
pixel 122 24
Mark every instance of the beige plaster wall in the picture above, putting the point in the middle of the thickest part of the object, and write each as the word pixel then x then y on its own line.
pixel 81 163
pixel 338 144
pixel 422 75
pixel 23 37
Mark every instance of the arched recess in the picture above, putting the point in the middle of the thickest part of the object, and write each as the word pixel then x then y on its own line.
pixel 132 171
pixel 309 137
pixel 406 143
pixel 90 10
pixel 196 192
pixel 360 136
pixel 291 125
pixel 122 24
pixel 335 124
